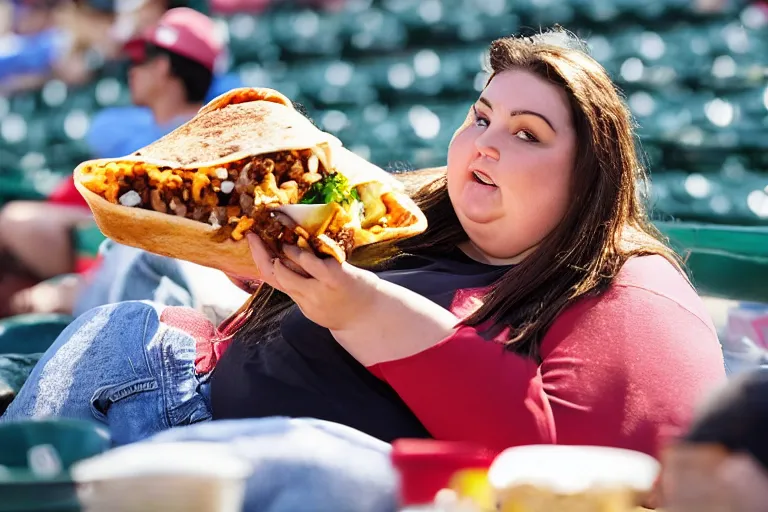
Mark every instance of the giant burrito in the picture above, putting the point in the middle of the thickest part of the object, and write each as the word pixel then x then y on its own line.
pixel 248 161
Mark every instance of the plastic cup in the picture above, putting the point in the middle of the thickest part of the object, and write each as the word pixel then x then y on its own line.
pixel 183 477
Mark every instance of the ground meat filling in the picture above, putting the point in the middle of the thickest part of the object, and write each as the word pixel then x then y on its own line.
pixel 276 228
pixel 234 197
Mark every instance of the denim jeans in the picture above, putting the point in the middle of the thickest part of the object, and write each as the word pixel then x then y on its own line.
pixel 127 273
pixel 118 365
pixel 121 366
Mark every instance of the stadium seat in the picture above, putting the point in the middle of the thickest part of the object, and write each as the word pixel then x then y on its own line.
pixel 250 40
pixel 53 446
pixel 30 334
pixel 307 33
pixel 724 261
pixel 374 30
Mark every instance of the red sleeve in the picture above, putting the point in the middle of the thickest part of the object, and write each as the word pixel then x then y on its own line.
pixel 624 370
pixel 209 349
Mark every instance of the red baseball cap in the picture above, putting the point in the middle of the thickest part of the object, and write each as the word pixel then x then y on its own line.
pixel 183 31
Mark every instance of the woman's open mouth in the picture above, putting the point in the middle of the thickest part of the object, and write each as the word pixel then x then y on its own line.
pixel 483 179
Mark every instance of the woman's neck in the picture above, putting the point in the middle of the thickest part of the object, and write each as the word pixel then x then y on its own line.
pixel 474 252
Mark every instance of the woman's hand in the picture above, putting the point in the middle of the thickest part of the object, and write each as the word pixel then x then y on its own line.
pixel 373 319
pixel 333 295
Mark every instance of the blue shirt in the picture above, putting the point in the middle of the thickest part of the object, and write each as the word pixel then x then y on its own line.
pixel 119 131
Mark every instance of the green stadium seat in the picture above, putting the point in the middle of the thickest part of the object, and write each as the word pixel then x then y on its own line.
pixel 250 40
pixel 30 334
pixel 24 104
pixel 725 261
pixel 111 92
pixel 307 33
pixel 374 30
pixel 335 82
pixel 60 444
pixel 716 197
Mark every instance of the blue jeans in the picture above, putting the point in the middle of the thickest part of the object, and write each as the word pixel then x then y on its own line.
pixel 303 464
pixel 127 273
pixel 118 365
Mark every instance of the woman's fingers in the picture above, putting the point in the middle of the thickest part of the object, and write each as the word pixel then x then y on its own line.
pixel 289 281
pixel 312 265
pixel 276 273
pixel 263 259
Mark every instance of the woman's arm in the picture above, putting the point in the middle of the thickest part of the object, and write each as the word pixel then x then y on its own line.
pixel 403 324
pixel 623 370
pixel 468 389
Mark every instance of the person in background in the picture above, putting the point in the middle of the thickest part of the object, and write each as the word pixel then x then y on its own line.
pixel 539 306
pixel 721 463
pixel 54 39
pixel 172 66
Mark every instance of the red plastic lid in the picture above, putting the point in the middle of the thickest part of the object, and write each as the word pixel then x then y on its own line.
pixel 426 466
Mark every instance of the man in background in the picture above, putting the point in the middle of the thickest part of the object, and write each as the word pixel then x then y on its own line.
pixel 172 67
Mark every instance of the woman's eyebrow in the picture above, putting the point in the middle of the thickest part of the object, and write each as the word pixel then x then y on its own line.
pixel 514 113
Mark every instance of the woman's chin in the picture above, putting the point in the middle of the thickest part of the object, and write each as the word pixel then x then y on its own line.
pixel 481 204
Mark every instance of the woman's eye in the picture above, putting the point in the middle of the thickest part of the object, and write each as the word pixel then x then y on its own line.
pixel 480 120
pixel 526 135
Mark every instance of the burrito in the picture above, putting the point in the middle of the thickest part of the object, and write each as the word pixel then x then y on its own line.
pixel 248 161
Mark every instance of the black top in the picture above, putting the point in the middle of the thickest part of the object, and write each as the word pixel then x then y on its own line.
pixel 301 371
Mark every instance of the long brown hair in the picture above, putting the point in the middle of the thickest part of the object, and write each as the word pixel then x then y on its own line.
pixel 605 224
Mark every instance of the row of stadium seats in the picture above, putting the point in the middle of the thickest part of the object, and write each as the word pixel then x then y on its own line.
pixel 687 123
pixel 413 23
pixel 418 135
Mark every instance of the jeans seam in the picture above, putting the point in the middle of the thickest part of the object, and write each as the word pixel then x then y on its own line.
pixel 176 413
pixel 147 359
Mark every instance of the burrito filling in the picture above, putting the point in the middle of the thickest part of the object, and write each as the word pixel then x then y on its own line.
pixel 246 195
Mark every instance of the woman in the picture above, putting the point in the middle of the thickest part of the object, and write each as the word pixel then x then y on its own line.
pixel 539 306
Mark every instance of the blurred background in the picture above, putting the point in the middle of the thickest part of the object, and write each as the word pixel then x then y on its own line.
pixel 386 76
pixel 393 79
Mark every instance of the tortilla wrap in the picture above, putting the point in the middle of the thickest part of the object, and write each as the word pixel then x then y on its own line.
pixel 242 124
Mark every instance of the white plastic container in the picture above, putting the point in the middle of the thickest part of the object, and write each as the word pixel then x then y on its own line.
pixel 143 477
pixel 543 478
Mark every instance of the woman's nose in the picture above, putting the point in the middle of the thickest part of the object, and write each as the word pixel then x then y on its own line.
pixel 486 147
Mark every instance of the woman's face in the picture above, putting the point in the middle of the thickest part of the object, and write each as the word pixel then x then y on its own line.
pixel 510 164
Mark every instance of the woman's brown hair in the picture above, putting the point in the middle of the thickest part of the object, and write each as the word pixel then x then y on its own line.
pixel 605 224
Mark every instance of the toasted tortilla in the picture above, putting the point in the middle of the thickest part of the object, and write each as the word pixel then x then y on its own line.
pixel 241 124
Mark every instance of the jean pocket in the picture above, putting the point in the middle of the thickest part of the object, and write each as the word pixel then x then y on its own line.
pixel 195 411
pixel 106 396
